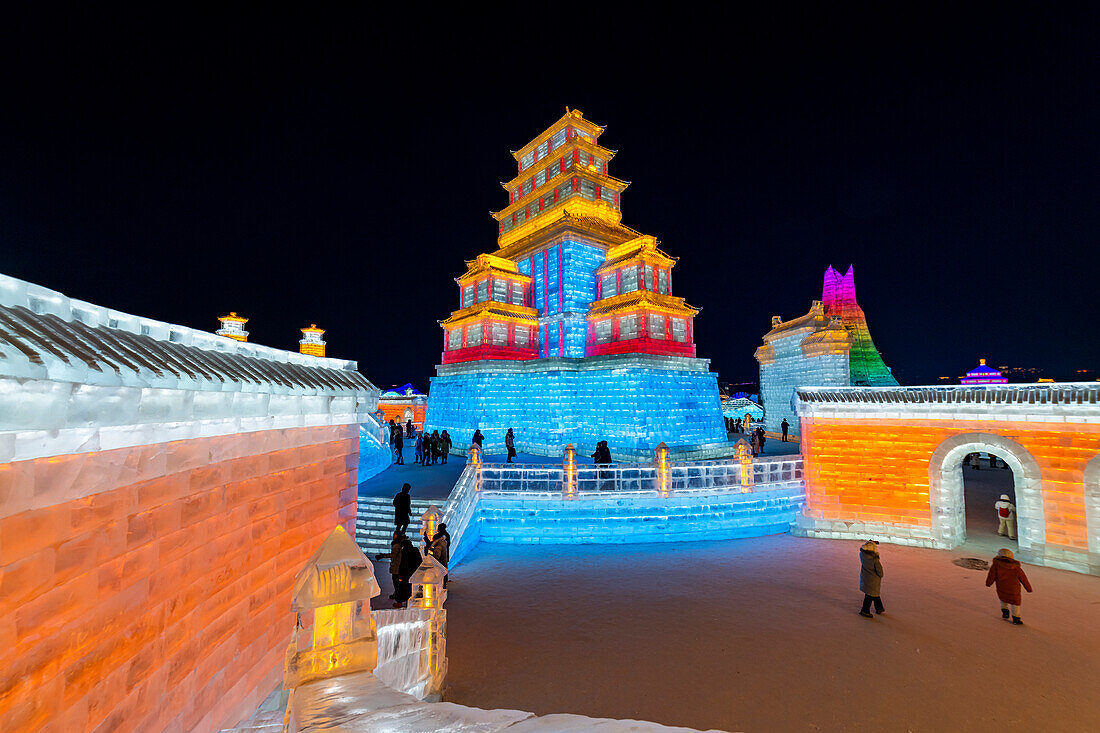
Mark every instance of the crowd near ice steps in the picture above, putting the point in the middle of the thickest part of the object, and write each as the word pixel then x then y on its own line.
pixel 374 521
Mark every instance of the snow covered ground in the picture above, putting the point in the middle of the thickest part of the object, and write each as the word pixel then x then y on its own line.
pixel 763 635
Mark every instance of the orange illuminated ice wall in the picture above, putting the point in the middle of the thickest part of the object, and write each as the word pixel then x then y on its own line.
pixel 155 507
pixel 886 463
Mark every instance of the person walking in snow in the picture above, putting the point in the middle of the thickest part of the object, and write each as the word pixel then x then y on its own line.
pixel 478 438
pixel 1006 516
pixel 786 426
pixel 1008 574
pixel 402 509
pixel 394 556
pixel 409 429
pixel 444 446
pixel 419 449
pixel 762 438
pixel 510 444
pixel 754 443
pixel 870 579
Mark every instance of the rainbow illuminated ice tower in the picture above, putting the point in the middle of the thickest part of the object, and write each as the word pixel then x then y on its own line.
pixel 569 332
pixel 830 346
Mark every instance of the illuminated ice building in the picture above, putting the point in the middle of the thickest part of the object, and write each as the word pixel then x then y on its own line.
pixel 830 346
pixel 569 332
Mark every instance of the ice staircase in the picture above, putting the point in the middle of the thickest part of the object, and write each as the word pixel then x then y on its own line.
pixel 374 521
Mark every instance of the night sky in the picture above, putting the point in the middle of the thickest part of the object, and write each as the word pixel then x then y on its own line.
pixel 339 170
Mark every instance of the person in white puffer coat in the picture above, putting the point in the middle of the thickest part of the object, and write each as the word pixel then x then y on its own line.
pixel 1006 514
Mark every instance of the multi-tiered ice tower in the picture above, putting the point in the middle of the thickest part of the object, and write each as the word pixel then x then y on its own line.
pixel 569 332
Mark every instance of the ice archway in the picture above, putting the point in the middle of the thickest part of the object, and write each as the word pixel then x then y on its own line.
pixel 945 487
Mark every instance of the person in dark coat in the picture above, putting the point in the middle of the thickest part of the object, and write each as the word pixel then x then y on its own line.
pixel 402 509
pixel 439 547
pixel 398 446
pixel 761 438
pixel 786 426
pixel 437 446
pixel 1008 574
pixel 410 561
pixel 419 450
pixel 444 446
pixel 478 438
pixel 410 431
pixel 394 556
pixel 602 455
pixel 870 579
pixel 510 444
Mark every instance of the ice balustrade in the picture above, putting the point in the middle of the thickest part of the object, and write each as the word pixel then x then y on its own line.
pixel 664 479
pixel 633 479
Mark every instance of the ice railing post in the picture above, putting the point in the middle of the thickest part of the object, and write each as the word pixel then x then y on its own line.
pixel 334 633
pixel 569 473
pixel 475 461
pixel 744 456
pixel 661 461
pixel 429 595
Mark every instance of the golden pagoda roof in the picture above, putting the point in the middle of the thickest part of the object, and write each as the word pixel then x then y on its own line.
pixel 493 309
pixel 580 171
pixel 571 117
pixel 581 143
pixel 598 222
pixel 642 247
pixel 641 300
pixel 233 317
pixel 313 329
pixel 487 263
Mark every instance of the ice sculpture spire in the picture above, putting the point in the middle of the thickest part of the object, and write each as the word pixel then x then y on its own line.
pixel 838 295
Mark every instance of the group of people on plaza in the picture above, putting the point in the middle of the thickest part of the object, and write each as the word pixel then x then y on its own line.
pixel 1005 571
pixel 429 448
pixel 404 556
pixel 757 436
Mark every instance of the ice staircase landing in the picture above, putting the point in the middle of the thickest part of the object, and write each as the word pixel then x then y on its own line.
pixel 374 521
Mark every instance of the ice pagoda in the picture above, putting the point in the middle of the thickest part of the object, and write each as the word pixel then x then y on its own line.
pixel 830 346
pixel 569 331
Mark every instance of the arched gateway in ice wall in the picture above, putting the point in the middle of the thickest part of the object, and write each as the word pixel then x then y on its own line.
pixel 886 462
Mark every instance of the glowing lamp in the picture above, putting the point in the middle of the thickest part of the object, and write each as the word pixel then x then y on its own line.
pixel 429 521
pixel 662 470
pixel 569 466
pixel 335 632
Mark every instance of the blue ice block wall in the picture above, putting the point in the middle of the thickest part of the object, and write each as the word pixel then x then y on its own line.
pixel 562 304
pixel 373 458
pixel 633 407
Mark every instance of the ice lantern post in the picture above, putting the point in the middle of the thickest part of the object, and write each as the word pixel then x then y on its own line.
pixel 475 462
pixel 335 633
pixel 429 523
pixel 662 470
pixel 569 472
pixel 744 457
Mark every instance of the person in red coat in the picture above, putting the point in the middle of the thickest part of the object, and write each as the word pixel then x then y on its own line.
pixel 1008 574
